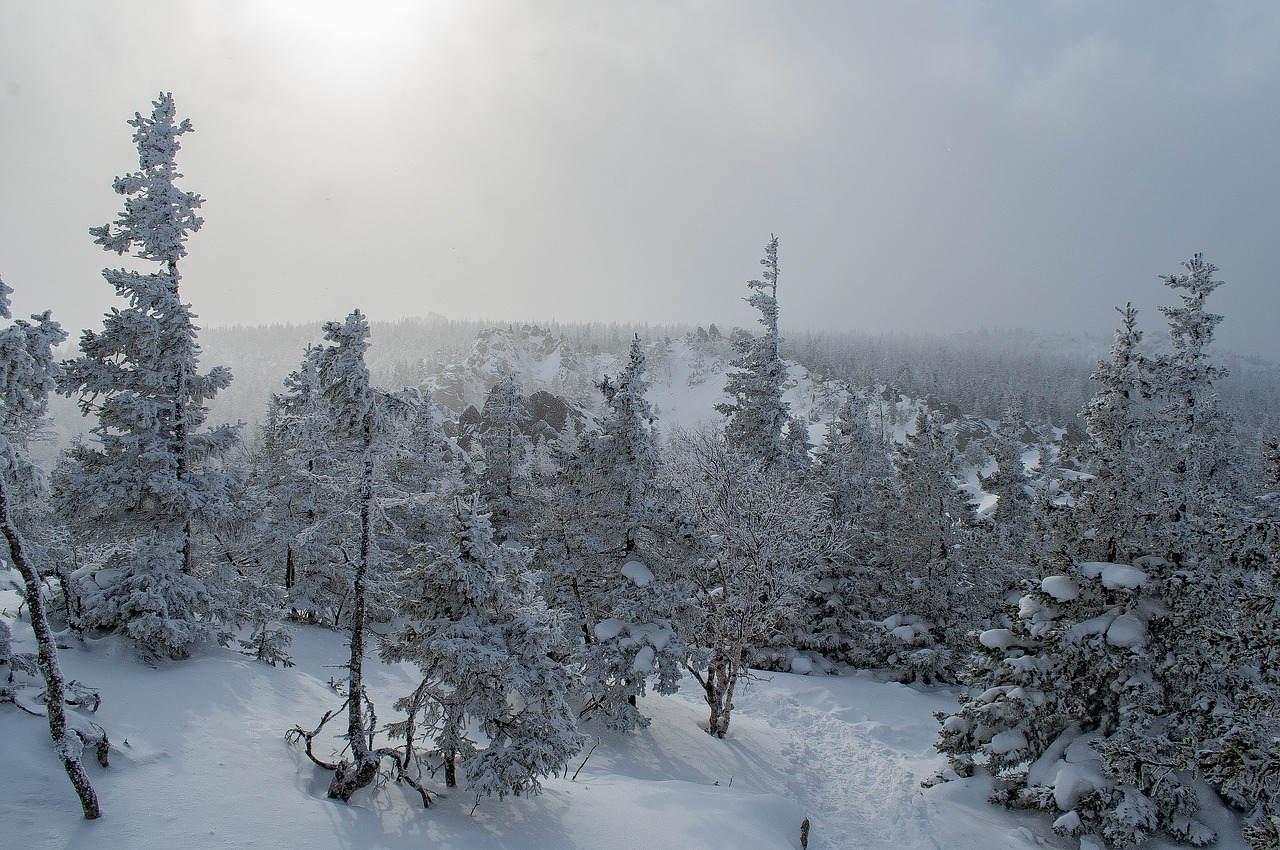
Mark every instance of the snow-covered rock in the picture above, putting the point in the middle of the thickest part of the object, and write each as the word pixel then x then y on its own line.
pixel 609 629
pixel 637 572
pixel 1060 588
pixel 1114 576
pixel 997 638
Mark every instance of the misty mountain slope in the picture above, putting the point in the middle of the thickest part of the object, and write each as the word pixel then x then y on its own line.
pixel 973 376
pixel 537 358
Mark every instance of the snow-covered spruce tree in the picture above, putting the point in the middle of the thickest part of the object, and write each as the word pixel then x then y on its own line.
pixel 1118 502
pixel 1064 708
pixel 149 477
pixel 1009 484
pixel 306 475
pixel 428 468
pixel 245 561
pixel 487 647
pixel 1243 760
pixel 27 372
pixel 363 426
pixel 307 469
pixel 1196 453
pixel 1271 464
pixel 769 539
pixel 856 477
pixel 937 596
pixel 616 549
pixel 758 417
pixel 1227 545
pixel 505 482
pixel 1113 691
pixel 853 463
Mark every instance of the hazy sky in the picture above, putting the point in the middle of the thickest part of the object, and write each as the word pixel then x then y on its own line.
pixel 927 165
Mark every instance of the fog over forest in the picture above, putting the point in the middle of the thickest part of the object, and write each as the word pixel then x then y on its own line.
pixel 862 563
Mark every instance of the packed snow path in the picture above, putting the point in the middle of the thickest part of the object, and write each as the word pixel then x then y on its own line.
pixel 856 751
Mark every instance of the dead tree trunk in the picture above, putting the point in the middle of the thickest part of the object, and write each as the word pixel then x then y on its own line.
pixel 355 774
pixel 65 742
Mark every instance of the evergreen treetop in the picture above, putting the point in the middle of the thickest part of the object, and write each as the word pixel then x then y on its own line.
pixel 758 417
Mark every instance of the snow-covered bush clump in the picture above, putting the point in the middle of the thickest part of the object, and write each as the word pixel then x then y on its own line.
pixel 614 547
pixel 1080 707
pixel 492 696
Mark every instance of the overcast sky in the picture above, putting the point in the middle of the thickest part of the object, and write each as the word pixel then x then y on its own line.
pixel 927 165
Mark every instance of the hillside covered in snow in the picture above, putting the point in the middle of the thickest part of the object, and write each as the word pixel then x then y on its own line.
pixel 199 759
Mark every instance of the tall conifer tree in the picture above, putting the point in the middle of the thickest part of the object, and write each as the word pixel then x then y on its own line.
pixel 758 417
pixel 148 478
pixel 617 547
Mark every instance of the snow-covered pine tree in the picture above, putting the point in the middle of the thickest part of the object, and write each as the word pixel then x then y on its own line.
pixel 427 468
pixel 362 428
pixel 150 475
pixel 27 373
pixel 799 447
pixel 306 475
pixel 344 382
pixel 505 483
pixel 487 647
pixel 1271 464
pixel 1118 502
pixel 853 462
pixel 1243 760
pixel 937 597
pixel 855 476
pixel 1131 671
pixel 1008 483
pixel 1057 706
pixel 1196 451
pixel 246 560
pixel 758 417
pixel 616 548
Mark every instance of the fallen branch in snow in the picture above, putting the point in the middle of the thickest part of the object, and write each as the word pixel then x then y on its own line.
pixel 574 778
pixel 401 760
pixel 297 733
pixel 8 694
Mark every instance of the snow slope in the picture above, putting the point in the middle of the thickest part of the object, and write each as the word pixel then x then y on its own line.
pixel 686 375
pixel 200 761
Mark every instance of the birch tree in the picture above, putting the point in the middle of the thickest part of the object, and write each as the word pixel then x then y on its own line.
pixel 768 538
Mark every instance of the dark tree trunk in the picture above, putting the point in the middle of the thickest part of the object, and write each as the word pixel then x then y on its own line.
pixel 451 769
pixel 351 776
pixel 65 742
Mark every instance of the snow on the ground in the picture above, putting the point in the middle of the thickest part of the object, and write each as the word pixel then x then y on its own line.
pixel 200 761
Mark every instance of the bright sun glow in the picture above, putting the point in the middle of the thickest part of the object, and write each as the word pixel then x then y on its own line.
pixel 345 40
